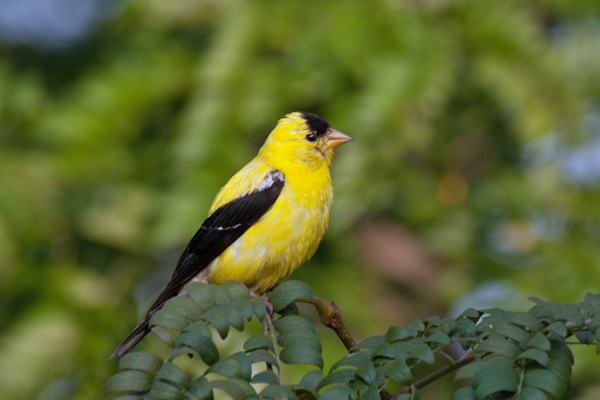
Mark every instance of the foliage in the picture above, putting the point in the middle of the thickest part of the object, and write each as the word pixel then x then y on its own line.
pixel 522 355
pixel 473 179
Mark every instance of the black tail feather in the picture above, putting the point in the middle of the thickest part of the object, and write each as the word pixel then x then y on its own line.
pixel 134 338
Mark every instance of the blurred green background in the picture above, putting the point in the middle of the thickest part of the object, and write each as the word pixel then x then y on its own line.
pixel 473 180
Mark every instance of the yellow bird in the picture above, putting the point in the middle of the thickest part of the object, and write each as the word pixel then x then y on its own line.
pixel 266 221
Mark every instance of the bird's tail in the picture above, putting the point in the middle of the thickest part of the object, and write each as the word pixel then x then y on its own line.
pixel 134 338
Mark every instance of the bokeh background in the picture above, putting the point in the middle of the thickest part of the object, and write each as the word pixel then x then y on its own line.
pixel 473 180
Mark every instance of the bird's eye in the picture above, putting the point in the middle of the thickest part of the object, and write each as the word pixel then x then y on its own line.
pixel 311 137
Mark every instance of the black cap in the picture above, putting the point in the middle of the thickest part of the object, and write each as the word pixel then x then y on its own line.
pixel 316 124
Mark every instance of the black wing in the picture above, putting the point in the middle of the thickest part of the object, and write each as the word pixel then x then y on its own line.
pixel 219 231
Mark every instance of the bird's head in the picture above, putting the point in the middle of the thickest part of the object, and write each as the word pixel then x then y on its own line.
pixel 305 137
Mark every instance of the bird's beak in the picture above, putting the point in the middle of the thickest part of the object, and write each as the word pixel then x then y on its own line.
pixel 334 138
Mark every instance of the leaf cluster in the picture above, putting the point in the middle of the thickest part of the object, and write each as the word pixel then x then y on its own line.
pixel 520 355
pixel 532 359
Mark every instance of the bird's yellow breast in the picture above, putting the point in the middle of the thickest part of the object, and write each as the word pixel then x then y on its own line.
pixel 286 236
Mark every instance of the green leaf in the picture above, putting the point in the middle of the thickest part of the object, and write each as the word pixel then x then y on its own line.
pixel 464 327
pixel 259 308
pixel 311 380
pixel 469 313
pixel 415 327
pixel 511 331
pixel 529 393
pixel 468 371
pixel 176 313
pixel 164 335
pixel 536 300
pixel 352 359
pixel 173 374
pixel 141 361
pixel 202 294
pixel 164 391
pixel 265 377
pixel 558 328
pixel 465 393
pixel 367 372
pixel 287 293
pixel 494 367
pixel 422 352
pixel 371 343
pixel 494 316
pixel 527 321
pixel 585 337
pixel 262 355
pixel 291 309
pixel 301 351
pixel 498 345
pixel 570 312
pixel 259 342
pixel 236 365
pixel 200 327
pixel 204 346
pixel 439 337
pixel 339 392
pixel 217 318
pixel 560 364
pixel 539 341
pixel 199 388
pixel 278 392
pixel 235 317
pixel 238 389
pixel 128 381
pixel 400 372
pixel 340 376
pixel 300 343
pixel 540 356
pixel 168 319
pixel 358 384
pixel 435 321
pixel 593 299
pixel 236 290
pixel 244 307
pixel 372 393
pixel 395 333
pixel 406 347
pixel 385 350
pixel 447 325
pixel 304 394
pixel 222 296
pixel 181 350
pixel 595 323
pixel 560 346
pixel 497 375
pixel 547 381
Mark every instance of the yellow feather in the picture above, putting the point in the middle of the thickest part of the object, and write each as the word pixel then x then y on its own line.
pixel 290 232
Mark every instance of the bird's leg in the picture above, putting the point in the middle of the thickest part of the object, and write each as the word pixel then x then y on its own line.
pixel 270 312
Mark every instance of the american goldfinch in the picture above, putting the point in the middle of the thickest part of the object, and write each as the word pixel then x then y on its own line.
pixel 266 221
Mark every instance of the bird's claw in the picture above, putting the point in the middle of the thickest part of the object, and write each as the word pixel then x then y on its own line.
pixel 268 305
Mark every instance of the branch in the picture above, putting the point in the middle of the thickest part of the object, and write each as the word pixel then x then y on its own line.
pixel 331 316
pixel 466 359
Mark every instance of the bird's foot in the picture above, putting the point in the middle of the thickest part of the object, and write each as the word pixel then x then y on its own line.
pixel 268 305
